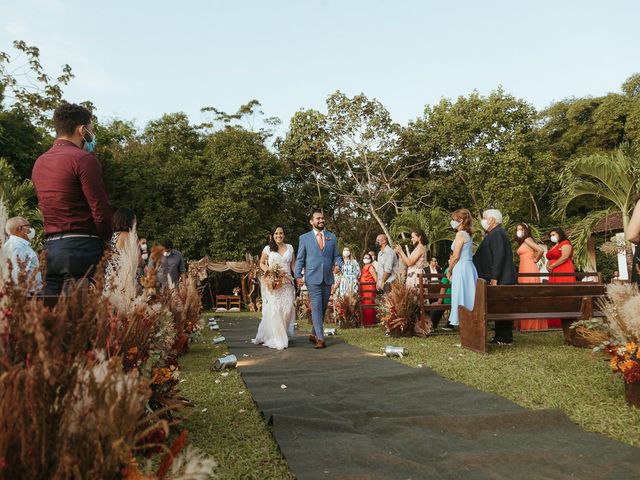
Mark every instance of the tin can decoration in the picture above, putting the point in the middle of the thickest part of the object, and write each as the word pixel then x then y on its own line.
pixel 391 351
pixel 226 362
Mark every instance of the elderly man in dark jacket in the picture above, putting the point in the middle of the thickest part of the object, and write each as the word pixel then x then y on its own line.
pixel 494 263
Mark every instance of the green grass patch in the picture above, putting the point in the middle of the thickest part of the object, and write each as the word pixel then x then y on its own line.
pixel 225 422
pixel 538 371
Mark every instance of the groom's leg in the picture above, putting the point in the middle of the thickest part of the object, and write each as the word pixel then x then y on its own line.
pixel 316 298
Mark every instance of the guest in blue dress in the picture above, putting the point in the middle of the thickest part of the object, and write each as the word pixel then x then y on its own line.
pixel 462 272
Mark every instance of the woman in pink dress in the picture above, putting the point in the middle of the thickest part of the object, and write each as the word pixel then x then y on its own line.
pixel 530 254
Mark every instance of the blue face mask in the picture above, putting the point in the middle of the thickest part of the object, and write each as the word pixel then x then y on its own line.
pixel 89 146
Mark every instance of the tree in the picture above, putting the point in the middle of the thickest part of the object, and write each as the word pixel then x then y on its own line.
pixel 28 88
pixel 353 152
pixel 480 152
pixel 434 221
pixel 18 197
pixel 613 178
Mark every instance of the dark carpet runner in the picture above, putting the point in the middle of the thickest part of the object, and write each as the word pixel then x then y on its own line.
pixel 349 414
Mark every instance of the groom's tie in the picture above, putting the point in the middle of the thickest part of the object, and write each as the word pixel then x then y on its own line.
pixel 320 240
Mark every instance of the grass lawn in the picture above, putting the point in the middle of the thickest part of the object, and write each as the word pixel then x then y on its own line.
pixel 537 372
pixel 225 421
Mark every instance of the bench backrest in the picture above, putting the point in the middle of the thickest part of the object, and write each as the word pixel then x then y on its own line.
pixel 539 298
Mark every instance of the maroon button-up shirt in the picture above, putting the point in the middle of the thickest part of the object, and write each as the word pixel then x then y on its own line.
pixel 71 193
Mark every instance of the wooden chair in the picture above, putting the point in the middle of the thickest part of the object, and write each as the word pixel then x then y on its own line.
pixel 222 303
pixel 233 303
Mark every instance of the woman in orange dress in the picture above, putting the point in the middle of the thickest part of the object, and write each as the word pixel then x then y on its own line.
pixel 560 260
pixel 530 254
pixel 368 292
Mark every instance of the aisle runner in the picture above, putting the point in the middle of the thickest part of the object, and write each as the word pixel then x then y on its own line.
pixel 349 414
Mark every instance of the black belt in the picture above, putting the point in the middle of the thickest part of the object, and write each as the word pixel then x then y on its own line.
pixel 60 236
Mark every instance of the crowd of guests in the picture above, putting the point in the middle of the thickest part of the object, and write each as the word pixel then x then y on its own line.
pixel 80 226
pixel 492 261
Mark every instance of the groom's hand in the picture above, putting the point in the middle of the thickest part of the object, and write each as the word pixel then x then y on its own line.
pixel 300 282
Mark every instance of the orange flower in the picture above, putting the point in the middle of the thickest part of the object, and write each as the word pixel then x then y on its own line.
pixel 626 365
pixel 160 375
pixel 631 348
pixel 614 363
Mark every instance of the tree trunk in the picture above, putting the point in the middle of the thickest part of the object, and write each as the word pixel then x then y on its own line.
pixel 382 225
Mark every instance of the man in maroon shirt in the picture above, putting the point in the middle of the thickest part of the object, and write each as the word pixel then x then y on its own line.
pixel 72 199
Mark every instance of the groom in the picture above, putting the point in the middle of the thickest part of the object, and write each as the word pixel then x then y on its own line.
pixel 318 255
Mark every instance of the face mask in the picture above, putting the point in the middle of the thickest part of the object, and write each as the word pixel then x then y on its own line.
pixel 145 256
pixel 166 254
pixel 346 253
pixel 520 234
pixel 485 224
pixel 31 234
pixel 366 260
pixel 454 224
pixel 89 146
pixel 554 238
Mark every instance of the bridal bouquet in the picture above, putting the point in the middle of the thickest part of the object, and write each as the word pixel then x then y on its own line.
pixel 274 277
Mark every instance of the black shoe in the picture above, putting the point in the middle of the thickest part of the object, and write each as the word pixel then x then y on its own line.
pixel 501 343
pixel 449 328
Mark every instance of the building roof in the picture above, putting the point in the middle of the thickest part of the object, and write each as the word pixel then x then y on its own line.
pixel 612 223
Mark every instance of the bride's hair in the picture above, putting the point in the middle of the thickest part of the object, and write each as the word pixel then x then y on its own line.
pixel 272 241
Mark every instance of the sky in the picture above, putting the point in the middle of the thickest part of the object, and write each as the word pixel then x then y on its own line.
pixel 139 59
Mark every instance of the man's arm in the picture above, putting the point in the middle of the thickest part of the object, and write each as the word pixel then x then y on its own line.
pixel 496 250
pixel 90 174
pixel 300 257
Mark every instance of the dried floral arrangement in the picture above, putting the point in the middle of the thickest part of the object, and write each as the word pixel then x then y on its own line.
pixel 274 277
pixel 347 311
pixel 622 330
pixel 87 388
pixel 399 310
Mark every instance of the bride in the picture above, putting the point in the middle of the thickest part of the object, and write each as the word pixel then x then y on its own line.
pixel 278 306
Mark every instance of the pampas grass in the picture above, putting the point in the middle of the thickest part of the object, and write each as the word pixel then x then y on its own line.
pixel 347 311
pixel 622 309
pixel 400 309
pixel 76 381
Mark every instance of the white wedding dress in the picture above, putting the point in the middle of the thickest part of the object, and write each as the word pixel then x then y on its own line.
pixel 278 307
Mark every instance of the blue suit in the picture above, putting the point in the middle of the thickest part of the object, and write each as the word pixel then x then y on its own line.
pixel 318 273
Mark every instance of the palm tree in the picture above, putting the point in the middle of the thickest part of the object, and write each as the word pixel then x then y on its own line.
pixel 433 220
pixel 614 178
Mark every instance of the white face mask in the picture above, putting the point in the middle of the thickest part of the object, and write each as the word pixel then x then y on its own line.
pixel 346 253
pixel 454 224
pixel 31 234
pixel 520 234
pixel 554 238
pixel 485 224
pixel 366 260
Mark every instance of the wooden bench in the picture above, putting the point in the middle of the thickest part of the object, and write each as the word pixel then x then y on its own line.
pixel 429 292
pixel 494 303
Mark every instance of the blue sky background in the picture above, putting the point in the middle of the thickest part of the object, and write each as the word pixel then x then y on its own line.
pixel 139 59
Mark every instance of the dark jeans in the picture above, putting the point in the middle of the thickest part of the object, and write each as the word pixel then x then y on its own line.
pixel 70 259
